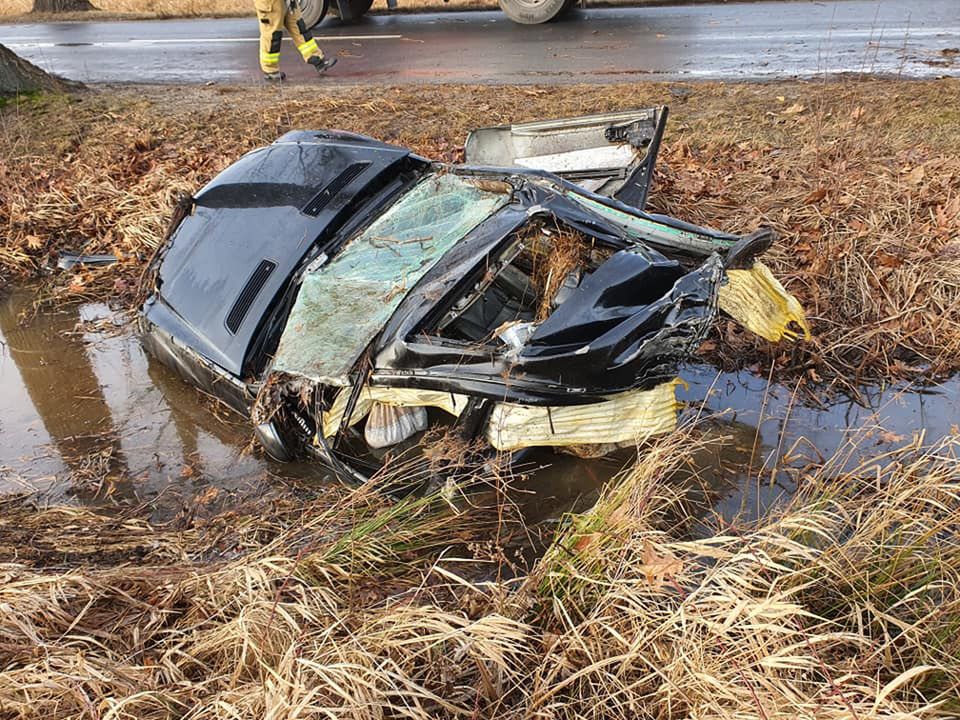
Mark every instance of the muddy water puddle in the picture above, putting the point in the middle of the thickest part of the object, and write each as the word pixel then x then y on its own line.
pixel 87 416
pixel 756 436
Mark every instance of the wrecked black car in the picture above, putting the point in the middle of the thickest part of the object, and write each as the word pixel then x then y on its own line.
pixel 348 295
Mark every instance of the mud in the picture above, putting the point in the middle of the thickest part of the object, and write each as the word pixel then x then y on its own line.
pixel 87 417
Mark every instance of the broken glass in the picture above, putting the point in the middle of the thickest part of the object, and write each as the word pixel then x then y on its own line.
pixel 342 305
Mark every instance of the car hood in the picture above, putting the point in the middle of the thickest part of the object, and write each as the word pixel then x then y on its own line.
pixel 249 230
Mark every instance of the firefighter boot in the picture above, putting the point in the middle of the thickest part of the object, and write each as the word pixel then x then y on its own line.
pixel 322 64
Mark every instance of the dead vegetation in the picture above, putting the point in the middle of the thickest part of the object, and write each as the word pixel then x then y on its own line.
pixel 162 9
pixel 861 180
pixel 844 604
pixel 158 9
pixel 555 252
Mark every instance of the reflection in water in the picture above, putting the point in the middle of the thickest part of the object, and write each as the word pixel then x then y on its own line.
pixel 717 472
pixel 64 391
pixel 754 439
pixel 77 407
pixel 67 396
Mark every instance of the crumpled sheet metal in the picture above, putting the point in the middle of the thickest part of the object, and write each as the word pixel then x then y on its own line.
pixel 626 417
pixel 399 397
pixel 757 300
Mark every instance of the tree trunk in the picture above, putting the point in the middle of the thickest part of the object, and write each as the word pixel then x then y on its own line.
pixel 58 6
pixel 19 76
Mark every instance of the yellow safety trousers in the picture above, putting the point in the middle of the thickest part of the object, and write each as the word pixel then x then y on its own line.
pixel 274 15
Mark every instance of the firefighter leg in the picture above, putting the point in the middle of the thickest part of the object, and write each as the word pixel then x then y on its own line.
pixel 270 13
pixel 302 37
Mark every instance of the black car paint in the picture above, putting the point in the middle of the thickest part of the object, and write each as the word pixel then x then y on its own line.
pixel 632 341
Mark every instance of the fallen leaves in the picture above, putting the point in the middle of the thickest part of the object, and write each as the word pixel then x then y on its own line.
pixel 889 260
pixel 915 176
pixel 880 200
pixel 886 437
pixel 658 566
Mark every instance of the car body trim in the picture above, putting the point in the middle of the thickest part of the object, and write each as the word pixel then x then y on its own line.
pixel 248 294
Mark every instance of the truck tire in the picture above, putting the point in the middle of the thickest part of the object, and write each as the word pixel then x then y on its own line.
pixel 534 12
pixel 350 11
pixel 313 11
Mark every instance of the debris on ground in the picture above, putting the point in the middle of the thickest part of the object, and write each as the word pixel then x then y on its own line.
pixel 68 260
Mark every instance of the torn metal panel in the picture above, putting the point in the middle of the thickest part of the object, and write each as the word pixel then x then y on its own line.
pixel 608 153
pixel 631 325
pixel 628 325
pixel 344 304
pixel 661 231
pixel 629 417
pixel 757 300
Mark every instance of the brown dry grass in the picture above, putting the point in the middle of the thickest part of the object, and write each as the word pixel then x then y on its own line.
pixel 147 9
pixel 861 179
pixel 554 252
pixel 844 604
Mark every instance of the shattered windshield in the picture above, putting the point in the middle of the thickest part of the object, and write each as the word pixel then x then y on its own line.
pixel 343 305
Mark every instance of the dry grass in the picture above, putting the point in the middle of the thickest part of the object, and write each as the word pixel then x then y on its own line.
pixel 827 609
pixel 130 9
pixel 158 8
pixel 861 179
pixel 145 9
pixel 554 252
pixel 845 604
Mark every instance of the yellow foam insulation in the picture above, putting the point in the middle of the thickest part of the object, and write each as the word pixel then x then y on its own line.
pixel 627 417
pixel 757 300
pixel 400 397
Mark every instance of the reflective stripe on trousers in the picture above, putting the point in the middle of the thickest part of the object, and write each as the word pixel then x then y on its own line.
pixel 308 49
pixel 269 62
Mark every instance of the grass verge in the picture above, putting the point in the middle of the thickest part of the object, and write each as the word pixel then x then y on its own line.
pixel 861 180
pixel 844 603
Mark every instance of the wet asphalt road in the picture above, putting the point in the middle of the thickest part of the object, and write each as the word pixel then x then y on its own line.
pixel 759 40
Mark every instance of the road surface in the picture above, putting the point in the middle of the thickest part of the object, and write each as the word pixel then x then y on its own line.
pixel 759 40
